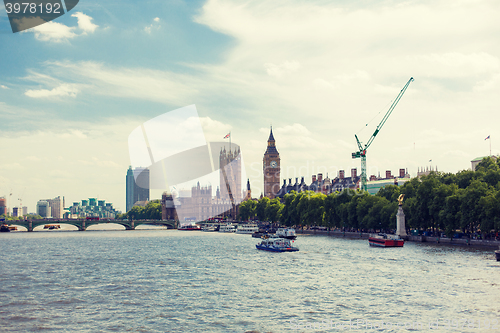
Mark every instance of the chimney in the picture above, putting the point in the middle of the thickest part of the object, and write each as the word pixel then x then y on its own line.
pixel 341 174
pixel 314 178
pixel 402 173
pixel 388 174
pixel 320 177
pixel 354 173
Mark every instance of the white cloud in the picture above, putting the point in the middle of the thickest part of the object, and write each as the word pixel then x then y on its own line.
pixel 85 22
pixel 60 91
pixel 281 69
pixel 3 87
pixel 53 32
pixel 214 130
pixel 155 25
pixel 57 32
pixel 142 83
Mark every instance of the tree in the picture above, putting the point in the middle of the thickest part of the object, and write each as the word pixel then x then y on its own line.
pixel 273 210
pixel 247 210
pixel 152 211
pixel 261 208
pixel 286 212
pixel 390 192
pixel 316 208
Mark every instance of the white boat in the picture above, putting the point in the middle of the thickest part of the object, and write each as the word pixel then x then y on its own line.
pixel 208 228
pixel 227 228
pixel 189 227
pixel 247 229
pixel 288 233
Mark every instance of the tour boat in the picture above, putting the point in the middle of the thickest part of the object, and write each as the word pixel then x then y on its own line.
pixel 247 229
pixel 189 227
pixel 208 228
pixel 227 228
pixel 276 244
pixel 497 254
pixel 386 240
pixel 288 233
pixel 52 226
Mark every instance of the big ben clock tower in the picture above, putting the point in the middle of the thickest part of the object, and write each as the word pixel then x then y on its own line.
pixel 271 168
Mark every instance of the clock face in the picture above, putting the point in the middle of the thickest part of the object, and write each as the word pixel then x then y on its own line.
pixel 274 164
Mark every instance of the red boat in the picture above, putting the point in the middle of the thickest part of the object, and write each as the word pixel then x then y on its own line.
pixel 385 240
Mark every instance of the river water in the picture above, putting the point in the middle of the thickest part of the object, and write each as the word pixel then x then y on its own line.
pixel 191 281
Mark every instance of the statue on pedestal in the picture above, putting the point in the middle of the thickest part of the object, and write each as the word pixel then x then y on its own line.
pixel 400 218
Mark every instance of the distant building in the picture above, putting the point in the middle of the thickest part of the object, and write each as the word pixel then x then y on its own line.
pixel 477 160
pixel 16 211
pixel 92 208
pixel 341 182
pixel 3 206
pixel 137 186
pixel 425 171
pixel 271 168
pixel 43 209
pixel 230 174
pixel 376 183
pixel 56 207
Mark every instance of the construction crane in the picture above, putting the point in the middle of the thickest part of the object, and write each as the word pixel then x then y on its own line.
pixel 362 150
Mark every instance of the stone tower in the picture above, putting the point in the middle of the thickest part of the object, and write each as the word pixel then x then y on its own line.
pixel 272 169
pixel 230 174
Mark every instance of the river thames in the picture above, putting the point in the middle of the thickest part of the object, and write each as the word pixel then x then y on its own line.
pixel 191 281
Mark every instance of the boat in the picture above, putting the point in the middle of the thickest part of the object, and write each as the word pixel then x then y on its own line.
pixel 497 254
pixel 385 240
pixel 276 244
pixel 52 226
pixel 227 228
pixel 247 229
pixel 189 227
pixel 4 228
pixel 288 233
pixel 208 228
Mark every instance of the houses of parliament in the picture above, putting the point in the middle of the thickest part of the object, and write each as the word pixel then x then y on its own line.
pixel 202 205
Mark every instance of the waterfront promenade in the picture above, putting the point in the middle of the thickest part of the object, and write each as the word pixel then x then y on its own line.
pixel 418 239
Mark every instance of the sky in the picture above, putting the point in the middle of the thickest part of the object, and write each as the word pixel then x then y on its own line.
pixel 319 72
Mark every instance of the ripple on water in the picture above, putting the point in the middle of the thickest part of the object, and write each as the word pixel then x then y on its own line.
pixel 162 280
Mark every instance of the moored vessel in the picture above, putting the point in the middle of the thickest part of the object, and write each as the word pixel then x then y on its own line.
pixel 227 228
pixel 276 244
pixel 247 229
pixel 288 233
pixel 188 227
pixel 208 228
pixel 385 240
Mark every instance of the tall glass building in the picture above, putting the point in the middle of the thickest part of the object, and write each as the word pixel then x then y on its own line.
pixel 137 182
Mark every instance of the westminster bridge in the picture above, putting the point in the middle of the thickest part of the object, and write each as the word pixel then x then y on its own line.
pixel 83 224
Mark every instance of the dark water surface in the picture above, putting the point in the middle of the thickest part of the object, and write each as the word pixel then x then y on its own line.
pixel 191 281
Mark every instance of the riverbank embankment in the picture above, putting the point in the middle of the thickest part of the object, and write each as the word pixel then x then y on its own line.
pixel 418 239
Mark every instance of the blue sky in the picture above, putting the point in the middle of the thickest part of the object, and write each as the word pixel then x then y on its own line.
pixel 72 90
